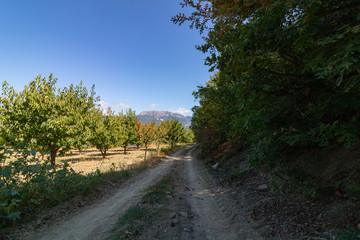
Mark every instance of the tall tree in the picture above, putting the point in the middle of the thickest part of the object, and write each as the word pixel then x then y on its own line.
pixel 146 133
pixel 129 123
pixel 160 133
pixel 174 131
pixel 290 67
pixel 106 130
pixel 44 117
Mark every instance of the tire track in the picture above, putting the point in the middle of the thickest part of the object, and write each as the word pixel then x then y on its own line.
pixel 94 221
pixel 216 214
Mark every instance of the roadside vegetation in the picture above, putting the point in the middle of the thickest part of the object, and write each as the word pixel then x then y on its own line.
pixel 285 90
pixel 42 122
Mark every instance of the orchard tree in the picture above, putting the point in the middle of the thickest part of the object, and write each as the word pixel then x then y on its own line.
pixel 106 130
pixel 44 117
pixel 188 136
pixel 81 141
pixel 146 133
pixel 129 123
pixel 160 133
pixel 174 131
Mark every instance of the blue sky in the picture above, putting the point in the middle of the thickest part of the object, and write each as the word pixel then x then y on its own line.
pixel 130 50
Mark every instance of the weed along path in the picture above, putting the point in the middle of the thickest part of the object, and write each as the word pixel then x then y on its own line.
pixel 94 221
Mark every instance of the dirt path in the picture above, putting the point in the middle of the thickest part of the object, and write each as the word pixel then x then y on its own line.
pixel 93 221
pixel 201 209
pixel 216 215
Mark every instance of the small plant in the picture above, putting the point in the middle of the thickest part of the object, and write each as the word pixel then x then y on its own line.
pixel 235 175
pixel 28 185
pixel 276 184
pixel 288 184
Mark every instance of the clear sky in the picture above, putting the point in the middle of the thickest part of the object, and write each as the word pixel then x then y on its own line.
pixel 130 50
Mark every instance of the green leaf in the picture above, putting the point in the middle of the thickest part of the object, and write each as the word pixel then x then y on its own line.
pixel 14 216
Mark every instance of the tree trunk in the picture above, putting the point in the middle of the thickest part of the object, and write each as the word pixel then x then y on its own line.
pixel 125 145
pixel 53 157
pixel 158 148
pixel 146 147
pixel 103 152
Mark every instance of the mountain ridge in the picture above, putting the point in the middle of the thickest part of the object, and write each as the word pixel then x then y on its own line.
pixel 159 116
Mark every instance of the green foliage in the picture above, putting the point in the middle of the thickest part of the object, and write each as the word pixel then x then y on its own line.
pixel 211 121
pixel 236 175
pixel 107 130
pixel 188 136
pixel 160 133
pixel 158 193
pixel 129 126
pixel 141 216
pixel 290 184
pixel 28 185
pixel 174 131
pixel 131 223
pixel 44 117
pixel 288 75
pixel 145 133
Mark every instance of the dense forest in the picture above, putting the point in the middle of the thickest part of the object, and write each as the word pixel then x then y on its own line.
pixel 285 89
pixel 287 75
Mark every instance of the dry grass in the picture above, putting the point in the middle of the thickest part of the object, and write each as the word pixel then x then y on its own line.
pixel 91 159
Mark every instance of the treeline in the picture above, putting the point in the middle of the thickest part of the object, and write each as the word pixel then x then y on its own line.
pixel 287 75
pixel 54 120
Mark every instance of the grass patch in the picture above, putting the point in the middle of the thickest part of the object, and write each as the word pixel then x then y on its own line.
pixel 132 224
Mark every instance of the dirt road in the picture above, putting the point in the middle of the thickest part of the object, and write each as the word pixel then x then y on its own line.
pixel 93 221
pixel 216 215
pixel 202 209
pixel 211 212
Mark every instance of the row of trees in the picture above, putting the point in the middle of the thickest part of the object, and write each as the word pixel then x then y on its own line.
pixel 287 74
pixel 53 120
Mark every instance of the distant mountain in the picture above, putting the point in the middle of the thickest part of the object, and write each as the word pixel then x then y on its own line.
pixel 159 116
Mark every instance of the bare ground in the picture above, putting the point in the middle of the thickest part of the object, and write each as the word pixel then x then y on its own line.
pixel 91 159
pixel 94 221
pixel 200 208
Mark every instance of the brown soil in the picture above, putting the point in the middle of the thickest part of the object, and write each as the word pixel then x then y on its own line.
pixel 202 207
pixel 93 221
pixel 91 159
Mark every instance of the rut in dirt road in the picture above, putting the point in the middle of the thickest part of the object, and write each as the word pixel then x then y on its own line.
pixel 216 216
pixel 94 221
